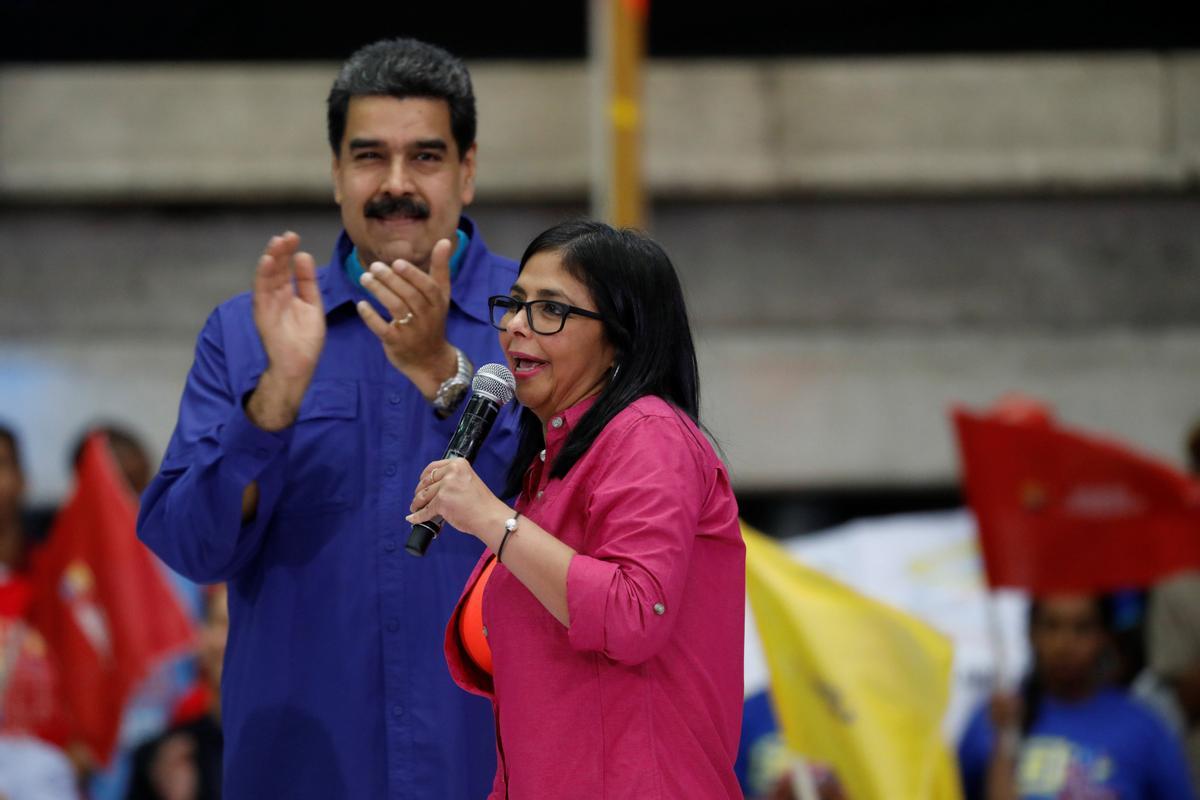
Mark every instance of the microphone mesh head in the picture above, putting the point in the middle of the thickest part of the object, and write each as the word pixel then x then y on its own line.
pixel 496 382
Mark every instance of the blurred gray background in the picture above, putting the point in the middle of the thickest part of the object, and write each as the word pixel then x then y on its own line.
pixel 871 225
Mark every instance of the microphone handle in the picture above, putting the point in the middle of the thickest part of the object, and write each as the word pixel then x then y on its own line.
pixel 423 534
pixel 473 427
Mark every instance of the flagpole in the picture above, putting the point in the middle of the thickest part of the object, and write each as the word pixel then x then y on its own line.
pixel 1002 680
pixel 617 43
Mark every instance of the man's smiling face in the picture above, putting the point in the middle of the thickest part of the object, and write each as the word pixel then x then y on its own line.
pixel 399 178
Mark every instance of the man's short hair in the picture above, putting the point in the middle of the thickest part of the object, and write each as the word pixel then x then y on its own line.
pixel 118 437
pixel 404 68
pixel 9 436
pixel 1193 448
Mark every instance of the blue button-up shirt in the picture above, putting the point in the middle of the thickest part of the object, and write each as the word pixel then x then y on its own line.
pixel 334 683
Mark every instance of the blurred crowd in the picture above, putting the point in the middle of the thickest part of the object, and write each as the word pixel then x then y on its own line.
pixel 42 756
pixel 1108 705
pixel 1113 690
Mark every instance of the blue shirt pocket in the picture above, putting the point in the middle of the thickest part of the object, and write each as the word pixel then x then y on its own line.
pixel 325 459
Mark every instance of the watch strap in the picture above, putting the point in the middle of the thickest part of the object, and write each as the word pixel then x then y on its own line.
pixel 452 391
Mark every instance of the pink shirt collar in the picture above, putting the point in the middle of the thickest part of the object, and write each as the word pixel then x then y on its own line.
pixel 559 426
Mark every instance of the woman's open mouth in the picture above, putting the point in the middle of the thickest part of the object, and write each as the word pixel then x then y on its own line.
pixel 526 366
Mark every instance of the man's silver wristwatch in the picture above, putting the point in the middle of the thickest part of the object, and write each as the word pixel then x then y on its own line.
pixel 452 391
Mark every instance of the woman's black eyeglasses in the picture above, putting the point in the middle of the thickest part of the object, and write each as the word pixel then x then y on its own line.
pixel 545 316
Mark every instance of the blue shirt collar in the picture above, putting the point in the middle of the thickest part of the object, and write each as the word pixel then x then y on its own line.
pixel 469 284
pixel 354 267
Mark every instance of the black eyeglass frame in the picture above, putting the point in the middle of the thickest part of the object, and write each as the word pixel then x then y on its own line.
pixel 502 299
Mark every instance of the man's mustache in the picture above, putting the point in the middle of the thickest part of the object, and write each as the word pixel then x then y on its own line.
pixel 389 206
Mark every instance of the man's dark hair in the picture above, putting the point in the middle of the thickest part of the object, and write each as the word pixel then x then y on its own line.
pixel 403 68
pixel 1193 448
pixel 637 292
pixel 9 435
pixel 118 436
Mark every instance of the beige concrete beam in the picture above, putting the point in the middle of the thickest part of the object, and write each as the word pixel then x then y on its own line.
pixel 790 411
pixel 714 128
pixel 827 410
pixel 164 132
pixel 1184 90
pixel 533 129
pixel 962 123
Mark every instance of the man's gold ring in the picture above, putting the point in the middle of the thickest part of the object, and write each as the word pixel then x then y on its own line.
pixel 407 318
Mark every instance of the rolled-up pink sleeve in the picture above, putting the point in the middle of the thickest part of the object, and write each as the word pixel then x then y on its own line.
pixel 643 511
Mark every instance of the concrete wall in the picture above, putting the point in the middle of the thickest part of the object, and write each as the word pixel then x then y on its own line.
pixel 745 128
pixel 833 336
pixel 863 242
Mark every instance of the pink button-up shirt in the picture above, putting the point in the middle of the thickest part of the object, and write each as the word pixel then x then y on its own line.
pixel 642 696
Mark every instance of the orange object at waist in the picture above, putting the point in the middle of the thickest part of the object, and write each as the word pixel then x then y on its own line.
pixel 470 623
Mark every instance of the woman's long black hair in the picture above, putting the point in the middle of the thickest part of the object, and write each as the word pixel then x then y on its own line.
pixel 640 301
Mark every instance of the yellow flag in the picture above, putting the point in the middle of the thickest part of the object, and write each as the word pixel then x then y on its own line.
pixel 857 685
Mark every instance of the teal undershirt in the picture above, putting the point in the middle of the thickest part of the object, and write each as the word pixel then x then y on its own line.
pixel 354 268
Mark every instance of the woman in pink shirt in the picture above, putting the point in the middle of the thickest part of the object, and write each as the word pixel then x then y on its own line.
pixel 609 636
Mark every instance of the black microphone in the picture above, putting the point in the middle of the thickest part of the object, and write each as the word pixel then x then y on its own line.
pixel 492 387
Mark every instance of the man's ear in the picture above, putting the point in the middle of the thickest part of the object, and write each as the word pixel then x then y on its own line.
pixel 335 172
pixel 467 194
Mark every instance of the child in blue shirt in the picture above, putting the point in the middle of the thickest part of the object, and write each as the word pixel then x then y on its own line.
pixel 1069 736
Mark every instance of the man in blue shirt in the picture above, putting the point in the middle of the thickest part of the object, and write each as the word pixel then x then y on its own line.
pixel 313 404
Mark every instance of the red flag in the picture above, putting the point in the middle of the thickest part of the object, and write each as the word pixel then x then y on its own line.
pixel 1063 511
pixel 101 602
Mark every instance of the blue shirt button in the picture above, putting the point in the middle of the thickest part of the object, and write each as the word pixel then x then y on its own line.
pixel 389 545
pixel 394 398
pixel 391 470
pixel 397 711
pixel 393 625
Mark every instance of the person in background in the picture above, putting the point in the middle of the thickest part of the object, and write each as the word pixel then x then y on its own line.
pixel 1069 733
pixel 156 694
pixel 128 450
pixel 765 767
pixel 1173 649
pixel 13 542
pixel 606 621
pixel 184 763
pixel 313 403
pixel 33 729
pixel 1173 642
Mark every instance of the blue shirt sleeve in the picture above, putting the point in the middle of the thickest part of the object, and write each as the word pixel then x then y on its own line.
pixel 975 753
pixel 1167 776
pixel 191 514
pixel 759 729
